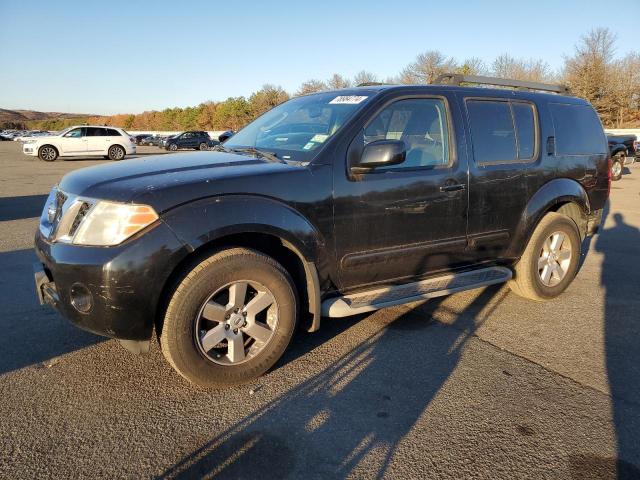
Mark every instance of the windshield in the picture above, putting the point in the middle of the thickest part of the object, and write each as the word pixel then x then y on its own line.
pixel 297 129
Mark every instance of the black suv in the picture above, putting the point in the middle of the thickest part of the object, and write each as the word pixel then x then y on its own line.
pixel 624 150
pixel 197 140
pixel 331 204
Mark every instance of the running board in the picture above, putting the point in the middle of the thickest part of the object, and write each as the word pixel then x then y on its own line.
pixel 411 292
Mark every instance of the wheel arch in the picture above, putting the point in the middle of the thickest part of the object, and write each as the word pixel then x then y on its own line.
pixel 561 195
pixel 282 233
pixel 55 147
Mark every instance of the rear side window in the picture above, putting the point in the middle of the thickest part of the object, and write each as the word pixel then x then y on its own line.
pixel 502 131
pixel 113 133
pixel 96 132
pixel 578 130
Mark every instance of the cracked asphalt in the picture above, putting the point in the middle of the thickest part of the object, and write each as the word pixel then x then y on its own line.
pixel 481 384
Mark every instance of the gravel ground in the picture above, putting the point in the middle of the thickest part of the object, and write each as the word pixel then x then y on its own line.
pixel 481 384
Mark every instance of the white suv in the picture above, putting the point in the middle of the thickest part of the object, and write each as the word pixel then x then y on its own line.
pixel 110 142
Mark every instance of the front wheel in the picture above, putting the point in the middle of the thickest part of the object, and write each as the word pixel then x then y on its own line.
pixel 173 147
pixel 617 164
pixel 230 319
pixel 550 260
pixel 48 153
pixel 116 152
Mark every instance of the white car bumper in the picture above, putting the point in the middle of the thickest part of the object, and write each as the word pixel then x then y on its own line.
pixel 30 149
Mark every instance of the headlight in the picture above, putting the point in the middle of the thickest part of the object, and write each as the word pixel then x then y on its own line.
pixel 110 223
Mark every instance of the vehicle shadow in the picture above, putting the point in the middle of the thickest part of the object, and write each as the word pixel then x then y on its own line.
pixel 353 414
pixel 620 245
pixel 32 335
pixel 17 208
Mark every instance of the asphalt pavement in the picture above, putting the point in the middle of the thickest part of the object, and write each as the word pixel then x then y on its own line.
pixel 481 384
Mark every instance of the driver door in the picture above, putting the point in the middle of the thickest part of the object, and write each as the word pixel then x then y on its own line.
pixel 404 221
pixel 74 142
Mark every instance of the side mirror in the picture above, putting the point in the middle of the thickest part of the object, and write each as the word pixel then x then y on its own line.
pixel 381 153
pixel 225 136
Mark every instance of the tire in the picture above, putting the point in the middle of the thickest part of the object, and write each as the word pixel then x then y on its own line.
pixel 48 153
pixel 537 265
pixel 116 152
pixel 186 321
pixel 617 165
pixel 173 147
pixel 203 146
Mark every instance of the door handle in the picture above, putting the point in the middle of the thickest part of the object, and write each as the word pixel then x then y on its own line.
pixel 452 188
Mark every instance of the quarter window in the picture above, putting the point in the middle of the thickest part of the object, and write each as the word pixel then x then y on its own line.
pixel 502 131
pixel 421 123
pixel 113 133
pixel 578 130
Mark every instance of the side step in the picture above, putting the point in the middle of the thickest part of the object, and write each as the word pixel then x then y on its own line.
pixel 411 292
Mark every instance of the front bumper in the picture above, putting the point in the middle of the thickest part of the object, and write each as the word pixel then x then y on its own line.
pixel 122 285
pixel 30 149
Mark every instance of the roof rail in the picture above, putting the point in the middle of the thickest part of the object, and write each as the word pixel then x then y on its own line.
pixel 371 84
pixel 458 78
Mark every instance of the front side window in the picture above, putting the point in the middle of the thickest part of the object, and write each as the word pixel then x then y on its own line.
pixel 421 123
pixel 502 131
pixel 75 133
pixel 297 129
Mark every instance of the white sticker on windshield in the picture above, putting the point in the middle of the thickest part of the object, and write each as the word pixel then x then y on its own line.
pixel 308 146
pixel 348 99
pixel 319 138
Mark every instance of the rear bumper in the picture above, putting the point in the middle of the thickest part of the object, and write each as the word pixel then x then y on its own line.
pixel 114 291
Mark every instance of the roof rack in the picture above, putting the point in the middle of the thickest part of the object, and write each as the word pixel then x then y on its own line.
pixel 457 79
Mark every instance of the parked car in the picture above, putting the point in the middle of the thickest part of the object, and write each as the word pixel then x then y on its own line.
pixel 197 140
pixel 152 140
pixel 624 150
pixel 409 192
pixel 141 137
pixel 110 142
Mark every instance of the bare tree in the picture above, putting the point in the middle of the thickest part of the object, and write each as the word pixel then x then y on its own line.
pixel 534 70
pixel 311 86
pixel 427 67
pixel 473 66
pixel 338 81
pixel 589 72
pixel 364 77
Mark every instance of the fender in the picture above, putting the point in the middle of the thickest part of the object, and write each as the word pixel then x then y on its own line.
pixel 551 194
pixel 617 148
pixel 202 221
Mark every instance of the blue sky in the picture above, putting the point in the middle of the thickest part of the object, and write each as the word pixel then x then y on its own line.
pixel 110 56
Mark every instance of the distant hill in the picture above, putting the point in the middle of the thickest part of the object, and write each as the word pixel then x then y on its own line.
pixel 26 115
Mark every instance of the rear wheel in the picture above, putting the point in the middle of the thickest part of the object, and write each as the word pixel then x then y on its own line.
pixel 48 153
pixel 203 146
pixel 550 260
pixel 230 319
pixel 116 152
pixel 617 164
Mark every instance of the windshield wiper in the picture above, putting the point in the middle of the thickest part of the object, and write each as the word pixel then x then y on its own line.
pixel 258 153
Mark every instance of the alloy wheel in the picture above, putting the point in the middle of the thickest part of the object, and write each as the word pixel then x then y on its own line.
pixel 555 259
pixel 236 322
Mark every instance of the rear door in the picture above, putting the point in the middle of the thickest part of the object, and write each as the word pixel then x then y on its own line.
pixel 96 140
pixel 504 140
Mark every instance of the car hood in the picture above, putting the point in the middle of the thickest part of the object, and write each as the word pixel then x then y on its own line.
pixel 165 181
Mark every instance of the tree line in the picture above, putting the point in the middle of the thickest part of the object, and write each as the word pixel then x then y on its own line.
pixel 594 71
